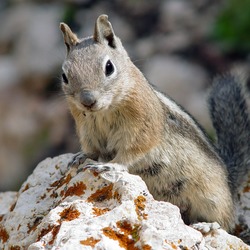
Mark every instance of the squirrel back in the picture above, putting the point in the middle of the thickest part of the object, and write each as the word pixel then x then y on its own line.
pixel 228 109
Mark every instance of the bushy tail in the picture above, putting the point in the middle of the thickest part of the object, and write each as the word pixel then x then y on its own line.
pixel 228 110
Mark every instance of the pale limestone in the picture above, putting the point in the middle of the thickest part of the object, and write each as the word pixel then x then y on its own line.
pixel 61 208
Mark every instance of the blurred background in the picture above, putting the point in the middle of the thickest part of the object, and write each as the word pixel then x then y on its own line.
pixel 179 45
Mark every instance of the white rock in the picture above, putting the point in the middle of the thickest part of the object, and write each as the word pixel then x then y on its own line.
pixel 220 239
pixel 61 208
pixel 217 238
pixel 7 199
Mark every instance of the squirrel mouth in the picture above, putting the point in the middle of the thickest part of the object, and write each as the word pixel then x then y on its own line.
pixel 87 109
pixel 92 109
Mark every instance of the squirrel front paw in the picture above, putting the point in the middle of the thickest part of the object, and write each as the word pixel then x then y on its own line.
pixel 109 171
pixel 98 167
pixel 78 159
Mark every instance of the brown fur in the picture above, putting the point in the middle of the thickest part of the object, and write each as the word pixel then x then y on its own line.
pixel 131 123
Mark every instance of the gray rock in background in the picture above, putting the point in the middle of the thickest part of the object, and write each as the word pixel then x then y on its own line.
pixel 158 34
pixel 177 14
pixel 34 31
pixel 9 71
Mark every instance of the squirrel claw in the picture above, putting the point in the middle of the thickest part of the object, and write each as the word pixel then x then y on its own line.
pixel 98 168
pixel 78 159
pixel 109 173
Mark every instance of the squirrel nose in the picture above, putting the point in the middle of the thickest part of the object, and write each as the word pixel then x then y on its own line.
pixel 87 99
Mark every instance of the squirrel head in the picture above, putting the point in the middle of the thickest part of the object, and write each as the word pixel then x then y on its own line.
pixel 95 68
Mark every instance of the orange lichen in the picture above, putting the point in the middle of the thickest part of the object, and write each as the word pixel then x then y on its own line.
pixel 62 193
pixel 62 181
pixel 15 248
pixel 123 239
pixel 139 202
pixel 4 236
pixel 146 247
pixel 69 214
pixel 12 207
pixel 102 194
pixel 99 211
pixel 125 227
pixel 34 225
pixel 1 218
pixel 173 245
pixel 140 206
pixel 54 194
pixel 44 232
pixel 117 196
pixel 126 234
pixel 54 232
pixel 186 248
pixel 49 189
pixel 26 188
pixel 77 189
pixel 43 196
pixel 89 242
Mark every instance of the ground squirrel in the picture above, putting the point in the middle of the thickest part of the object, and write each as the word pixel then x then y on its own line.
pixel 120 118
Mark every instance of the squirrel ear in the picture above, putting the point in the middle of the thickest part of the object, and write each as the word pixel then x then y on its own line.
pixel 70 39
pixel 104 31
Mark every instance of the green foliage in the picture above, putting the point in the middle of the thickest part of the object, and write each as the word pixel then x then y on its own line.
pixel 232 27
pixel 69 14
pixel 38 141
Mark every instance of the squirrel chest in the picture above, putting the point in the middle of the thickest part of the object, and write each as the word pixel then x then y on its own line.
pixel 101 134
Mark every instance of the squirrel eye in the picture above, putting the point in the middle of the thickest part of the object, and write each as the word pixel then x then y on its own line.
pixel 65 79
pixel 109 68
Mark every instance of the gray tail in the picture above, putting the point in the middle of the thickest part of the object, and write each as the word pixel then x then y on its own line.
pixel 228 110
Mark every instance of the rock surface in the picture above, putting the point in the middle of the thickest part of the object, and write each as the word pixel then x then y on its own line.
pixel 61 208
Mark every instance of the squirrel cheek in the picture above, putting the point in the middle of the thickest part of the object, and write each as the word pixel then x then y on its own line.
pixel 104 102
